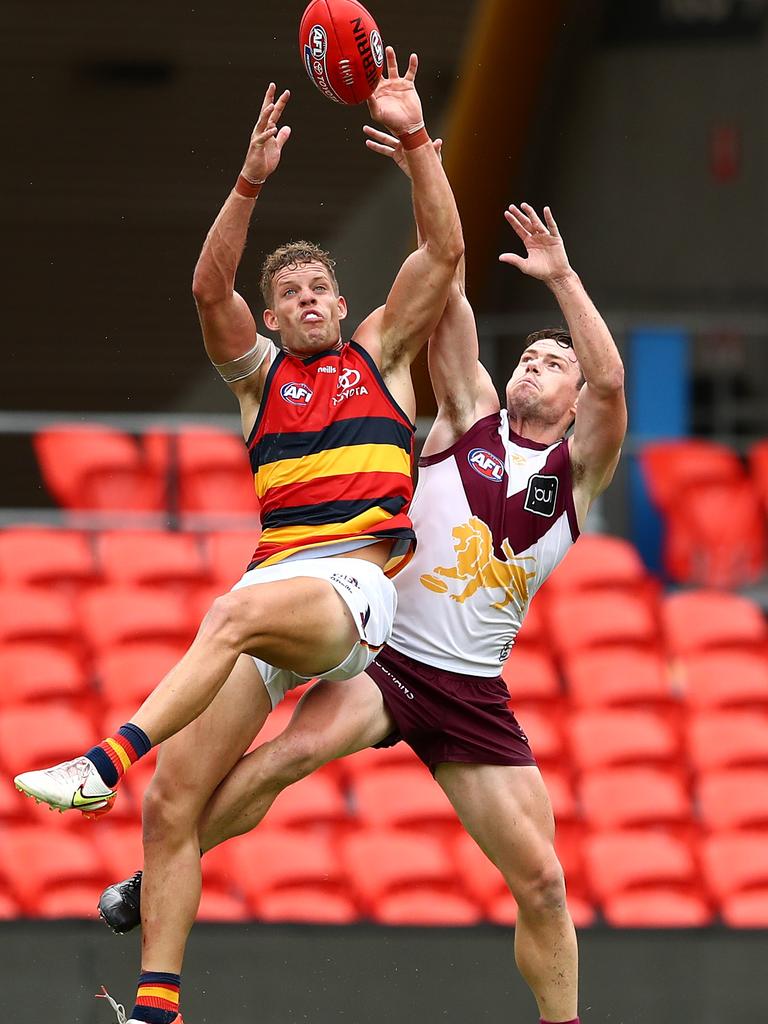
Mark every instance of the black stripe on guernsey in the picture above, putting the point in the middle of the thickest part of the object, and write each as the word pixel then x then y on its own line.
pixel 341 434
pixel 333 512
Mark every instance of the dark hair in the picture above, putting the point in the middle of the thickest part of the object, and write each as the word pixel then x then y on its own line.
pixel 557 334
pixel 294 254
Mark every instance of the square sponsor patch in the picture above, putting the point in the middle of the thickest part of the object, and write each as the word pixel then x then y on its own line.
pixel 541 498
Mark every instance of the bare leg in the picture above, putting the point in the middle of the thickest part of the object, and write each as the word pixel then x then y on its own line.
pixel 331 720
pixel 507 812
pixel 190 766
pixel 301 624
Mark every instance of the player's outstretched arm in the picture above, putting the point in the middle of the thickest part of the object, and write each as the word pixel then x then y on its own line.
pixel 418 296
pixel 462 385
pixel 229 330
pixel 601 413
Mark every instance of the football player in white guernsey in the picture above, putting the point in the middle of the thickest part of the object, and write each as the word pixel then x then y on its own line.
pixel 501 496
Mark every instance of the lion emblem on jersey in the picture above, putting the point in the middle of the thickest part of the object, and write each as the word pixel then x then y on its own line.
pixel 477 567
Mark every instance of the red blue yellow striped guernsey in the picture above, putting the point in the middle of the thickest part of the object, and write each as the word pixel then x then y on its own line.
pixel 332 458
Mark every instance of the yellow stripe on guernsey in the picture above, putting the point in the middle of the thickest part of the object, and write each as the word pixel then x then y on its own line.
pixel 291 536
pixel 125 761
pixel 158 992
pixel 354 460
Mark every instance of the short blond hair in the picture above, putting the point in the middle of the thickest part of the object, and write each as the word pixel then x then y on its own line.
pixel 294 254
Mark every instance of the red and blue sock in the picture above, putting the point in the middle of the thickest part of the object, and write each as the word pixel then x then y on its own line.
pixel 157 997
pixel 117 753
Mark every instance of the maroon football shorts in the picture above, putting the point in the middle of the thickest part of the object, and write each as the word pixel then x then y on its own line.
pixel 448 716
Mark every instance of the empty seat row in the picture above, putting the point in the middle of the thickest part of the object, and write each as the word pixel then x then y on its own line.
pixel 635 876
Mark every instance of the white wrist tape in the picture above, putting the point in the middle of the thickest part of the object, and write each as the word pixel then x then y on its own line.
pixel 245 365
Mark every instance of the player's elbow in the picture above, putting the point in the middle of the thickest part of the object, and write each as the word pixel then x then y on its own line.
pixel 611 379
pixel 205 289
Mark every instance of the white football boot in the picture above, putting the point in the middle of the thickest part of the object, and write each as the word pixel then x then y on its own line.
pixel 71 785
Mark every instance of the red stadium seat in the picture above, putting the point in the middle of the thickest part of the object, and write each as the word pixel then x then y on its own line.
pixel 96 467
pixel 214 475
pixel 306 904
pixel 271 859
pixel 670 467
pixel 701 619
pixel 596 618
pixel 658 908
pixel 530 675
pixel 31 614
pixel 619 862
pixel 736 862
pixel 728 739
pixel 543 732
pixel 697 548
pixel 9 907
pixel 601 739
pixel 129 674
pixel 120 615
pixel 379 861
pixel 71 901
pixel 403 797
pixel 758 465
pixel 41 735
pixel 35 859
pixel 151 558
pixel 313 801
pixel 727 678
pixel 426 907
pixel 634 797
pixel 617 676
pixel 561 795
pixel 38 671
pixel 746 909
pixel 119 846
pixel 229 554
pixel 222 906
pixel 37 556
pixel 734 799
pixel 599 561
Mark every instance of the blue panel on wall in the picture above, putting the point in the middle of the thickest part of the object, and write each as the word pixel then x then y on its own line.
pixel 659 407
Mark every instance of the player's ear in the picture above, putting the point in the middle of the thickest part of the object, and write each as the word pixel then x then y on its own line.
pixel 270 320
pixel 342 307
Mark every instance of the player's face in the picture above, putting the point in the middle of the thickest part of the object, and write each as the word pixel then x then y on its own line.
pixel 545 384
pixel 306 311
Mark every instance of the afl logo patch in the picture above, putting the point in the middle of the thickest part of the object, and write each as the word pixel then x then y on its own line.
pixel 296 394
pixel 541 498
pixel 348 379
pixel 318 41
pixel 486 465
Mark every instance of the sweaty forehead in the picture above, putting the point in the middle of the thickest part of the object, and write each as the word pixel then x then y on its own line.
pixel 300 272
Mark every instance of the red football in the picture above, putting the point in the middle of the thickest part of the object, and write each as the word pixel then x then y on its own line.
pixel 342 49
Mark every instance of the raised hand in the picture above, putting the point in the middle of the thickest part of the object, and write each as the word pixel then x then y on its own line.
pixel 388 145
pixel 395 103
pixel 546 257
pixel 267 140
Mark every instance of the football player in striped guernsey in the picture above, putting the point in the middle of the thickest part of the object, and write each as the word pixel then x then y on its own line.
pixel 329 429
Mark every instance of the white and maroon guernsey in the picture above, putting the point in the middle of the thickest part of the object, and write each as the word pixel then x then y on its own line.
pixel 494 515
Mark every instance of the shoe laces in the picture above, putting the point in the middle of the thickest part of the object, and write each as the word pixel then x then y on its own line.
pixel 72 771
pixel 117 1007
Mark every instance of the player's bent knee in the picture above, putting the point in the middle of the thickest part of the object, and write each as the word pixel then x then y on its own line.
pixel 226 621
pixel 544 893
pixel 168 810
pixel 295 757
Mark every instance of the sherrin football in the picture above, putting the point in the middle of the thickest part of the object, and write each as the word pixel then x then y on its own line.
pixel 342 49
